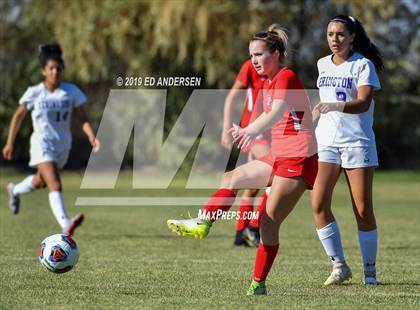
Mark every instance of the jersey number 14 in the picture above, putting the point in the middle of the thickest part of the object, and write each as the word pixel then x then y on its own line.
pixel 61 116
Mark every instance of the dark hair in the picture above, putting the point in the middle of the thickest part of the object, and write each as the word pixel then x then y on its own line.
pixel 275 38
pixel 361 43
pixel 50 51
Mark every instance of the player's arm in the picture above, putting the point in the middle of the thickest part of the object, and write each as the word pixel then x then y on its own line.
pixel 87 128
pixel 264 122
pixel 14 127
pixel 226 139
pixel 359 105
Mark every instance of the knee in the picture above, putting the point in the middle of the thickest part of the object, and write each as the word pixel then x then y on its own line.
pixel 268 218
pixel 251 192
pixel 226 179
pixel 231 179
pixel 319 208
pixel 37 182
pixel 54 186
pixel 364 211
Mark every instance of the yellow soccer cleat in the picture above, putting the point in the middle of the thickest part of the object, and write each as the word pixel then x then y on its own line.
pixel 194 227
pixel 257 288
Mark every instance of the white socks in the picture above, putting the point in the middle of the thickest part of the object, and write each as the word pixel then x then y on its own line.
pixel 331 241
pixel 25 186
pixel 57 207
pixel 368 241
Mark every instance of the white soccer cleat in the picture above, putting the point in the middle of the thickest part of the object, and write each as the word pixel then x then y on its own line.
pixel 14 200
pixel 341 272
pixel 369 278
pixel 194 227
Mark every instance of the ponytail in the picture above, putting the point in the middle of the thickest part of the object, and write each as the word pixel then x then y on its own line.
pixel 363 45
pixel 275 38
pixel 282 34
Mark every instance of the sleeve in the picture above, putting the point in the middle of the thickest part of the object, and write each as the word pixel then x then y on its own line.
pixel 79 97
pixel 243 75
pixel 368 76
pixel 27 100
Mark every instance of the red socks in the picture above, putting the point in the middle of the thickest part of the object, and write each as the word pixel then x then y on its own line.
pixel 264 260
pixel 245 206
pixel 221 200
pixel 256 222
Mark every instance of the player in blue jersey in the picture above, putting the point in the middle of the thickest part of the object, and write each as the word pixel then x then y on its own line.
pixel 51 104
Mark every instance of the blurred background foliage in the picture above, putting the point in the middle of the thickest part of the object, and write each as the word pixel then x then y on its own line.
pixel 105 39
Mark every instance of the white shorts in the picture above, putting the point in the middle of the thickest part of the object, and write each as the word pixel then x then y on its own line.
pixel 349 157
pixel 38 155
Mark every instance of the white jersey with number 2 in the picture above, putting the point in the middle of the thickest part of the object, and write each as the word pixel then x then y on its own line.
pixel 51 114
pixel 340 83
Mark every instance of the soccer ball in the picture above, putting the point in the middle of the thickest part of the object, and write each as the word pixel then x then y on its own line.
pixel 58 253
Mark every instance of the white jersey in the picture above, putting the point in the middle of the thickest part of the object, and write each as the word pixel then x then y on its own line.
pixel 340 83
pixel 51 114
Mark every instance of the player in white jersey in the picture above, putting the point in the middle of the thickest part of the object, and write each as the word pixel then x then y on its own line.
pixel 51 103
pixel 347 80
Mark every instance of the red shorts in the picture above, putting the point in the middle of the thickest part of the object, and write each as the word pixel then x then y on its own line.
pixel 287 167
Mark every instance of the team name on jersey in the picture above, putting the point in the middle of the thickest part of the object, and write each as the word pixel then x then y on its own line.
pixel 335 81
pixel 54 104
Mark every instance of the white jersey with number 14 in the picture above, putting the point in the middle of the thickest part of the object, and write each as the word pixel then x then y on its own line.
pixel 51 114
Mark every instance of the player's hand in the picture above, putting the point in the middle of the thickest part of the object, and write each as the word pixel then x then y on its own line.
pixel 243 136
pixel 315 114
pixel 226 140
pixel 96 145
pixel 325 107
pixel 8 151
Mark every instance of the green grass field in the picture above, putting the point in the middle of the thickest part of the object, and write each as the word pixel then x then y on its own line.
pixel 129 259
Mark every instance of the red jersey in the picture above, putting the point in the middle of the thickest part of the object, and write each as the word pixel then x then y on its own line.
pixel 253 83
pixel 294 134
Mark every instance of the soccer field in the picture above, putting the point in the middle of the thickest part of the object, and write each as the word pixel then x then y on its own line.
pixel 129 258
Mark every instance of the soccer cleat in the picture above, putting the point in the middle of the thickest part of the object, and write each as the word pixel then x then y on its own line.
pixel 75 222
pixel 194 227
pixel 257 288
pixel 369 278
pixel 341 272
pixel 14 200
pixel 239 240
pixel 251 236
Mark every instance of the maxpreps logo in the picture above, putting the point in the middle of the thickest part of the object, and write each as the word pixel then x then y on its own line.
pixel 133 121
pixel 228 215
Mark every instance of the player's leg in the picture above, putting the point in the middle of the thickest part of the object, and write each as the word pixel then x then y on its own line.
pixel 327 228
pixel 255 174
pixel 246 235
pixel 252 232
pixel 285 193
pixel 49 173
pixel 27 185
pixel 360 181
pixel 246 205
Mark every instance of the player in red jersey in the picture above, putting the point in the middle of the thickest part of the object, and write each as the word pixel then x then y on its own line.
pixel 247 232
pixel 291 167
